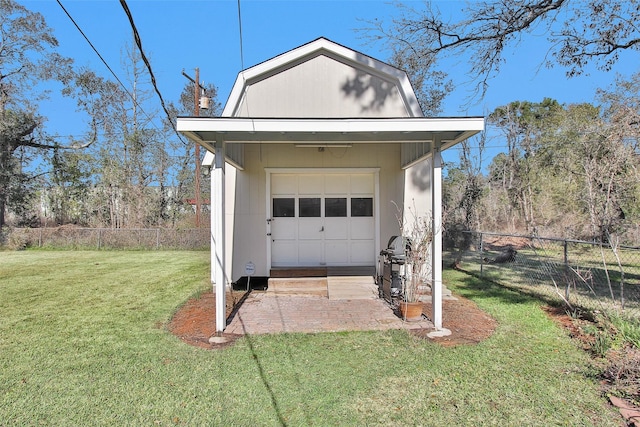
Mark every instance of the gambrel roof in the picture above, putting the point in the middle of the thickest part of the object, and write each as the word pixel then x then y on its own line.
pixel 322 79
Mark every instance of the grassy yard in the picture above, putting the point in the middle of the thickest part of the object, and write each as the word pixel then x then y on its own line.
pixel 83 342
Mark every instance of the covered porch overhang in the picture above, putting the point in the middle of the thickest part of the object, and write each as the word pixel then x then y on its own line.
pixel 420 137
pixel 417 134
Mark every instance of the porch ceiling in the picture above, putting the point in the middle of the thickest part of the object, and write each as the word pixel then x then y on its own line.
pixel 450 131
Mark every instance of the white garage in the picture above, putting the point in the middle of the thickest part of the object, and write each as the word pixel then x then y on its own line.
pixel 315 151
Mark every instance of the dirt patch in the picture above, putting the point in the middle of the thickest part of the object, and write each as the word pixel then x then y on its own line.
pixel 572 326
pixel 498 243
pixel 466 321
pixel 194 322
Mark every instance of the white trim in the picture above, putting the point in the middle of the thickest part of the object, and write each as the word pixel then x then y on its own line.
pixel 314 126
pixel 219 249
pixel 269 218
pixel 326 171
pixel 436 245
pixel 376 212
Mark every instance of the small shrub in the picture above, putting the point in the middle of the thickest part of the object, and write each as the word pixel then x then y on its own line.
pixel 628 330
pixel 602 344
pixel 17 241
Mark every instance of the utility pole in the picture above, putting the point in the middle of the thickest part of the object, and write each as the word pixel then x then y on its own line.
pixel 196 112
pixel 196 109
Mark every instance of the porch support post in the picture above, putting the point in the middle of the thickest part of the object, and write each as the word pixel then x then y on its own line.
pixel 218 235
pixel 212 223
pixel 436 245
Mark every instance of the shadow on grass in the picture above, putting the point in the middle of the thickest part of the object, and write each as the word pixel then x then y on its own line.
pixel 475 287
pixel 256 358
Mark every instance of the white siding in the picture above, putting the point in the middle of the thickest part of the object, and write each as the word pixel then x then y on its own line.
pixel 322 87
pixel 250 228
pixel 417 190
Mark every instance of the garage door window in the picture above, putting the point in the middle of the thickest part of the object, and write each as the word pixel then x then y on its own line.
pixel 361 206
pixel 335 207
pixel 284 207
pixel 309 207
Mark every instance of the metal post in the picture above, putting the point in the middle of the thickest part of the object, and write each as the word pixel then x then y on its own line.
pixel 481 255
pixel 566 270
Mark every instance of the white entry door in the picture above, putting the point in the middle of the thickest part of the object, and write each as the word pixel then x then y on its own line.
pixel 322 219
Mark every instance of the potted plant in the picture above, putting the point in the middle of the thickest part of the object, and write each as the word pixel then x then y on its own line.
pixel 418 232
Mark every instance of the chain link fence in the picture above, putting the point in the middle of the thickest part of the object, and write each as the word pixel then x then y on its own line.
pixel 604 277
pixel 69 237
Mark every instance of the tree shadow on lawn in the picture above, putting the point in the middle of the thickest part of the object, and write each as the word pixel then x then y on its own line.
pixel 476 287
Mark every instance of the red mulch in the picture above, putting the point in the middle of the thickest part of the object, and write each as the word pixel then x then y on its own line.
pixel 194 322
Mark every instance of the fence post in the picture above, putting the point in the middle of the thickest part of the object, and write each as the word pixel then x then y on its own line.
pixel 567 288
pixel 99 237
pixel 157 238
pixel 481 255
pixel 40 238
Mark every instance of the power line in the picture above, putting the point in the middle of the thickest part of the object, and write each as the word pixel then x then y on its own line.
pixel 136 37
pixel 240 26
pixel 94 49
pixel 113 72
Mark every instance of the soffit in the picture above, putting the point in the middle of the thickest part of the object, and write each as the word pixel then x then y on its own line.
pixel 449 131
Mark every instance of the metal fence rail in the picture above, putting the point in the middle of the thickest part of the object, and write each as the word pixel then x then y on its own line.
pixel 110 238
pixel 581 274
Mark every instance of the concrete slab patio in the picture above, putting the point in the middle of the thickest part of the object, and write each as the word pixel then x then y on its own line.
pixel 309 305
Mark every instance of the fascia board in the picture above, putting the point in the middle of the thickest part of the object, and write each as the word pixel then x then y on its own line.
pixel 271 125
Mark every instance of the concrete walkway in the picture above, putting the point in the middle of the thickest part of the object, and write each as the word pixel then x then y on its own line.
pixel 322 304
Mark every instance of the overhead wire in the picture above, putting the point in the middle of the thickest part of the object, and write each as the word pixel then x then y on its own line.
pixel 253 125
pixel 136 36
pixel 115 76
pixel 106 64
pixel 240 28
pixel 94 49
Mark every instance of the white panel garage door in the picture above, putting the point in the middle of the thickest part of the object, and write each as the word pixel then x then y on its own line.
pixel 322 219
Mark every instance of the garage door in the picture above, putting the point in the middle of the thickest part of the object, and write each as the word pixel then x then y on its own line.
pixel 322 219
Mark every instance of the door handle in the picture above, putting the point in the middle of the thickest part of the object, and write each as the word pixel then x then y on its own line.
pixel 322 229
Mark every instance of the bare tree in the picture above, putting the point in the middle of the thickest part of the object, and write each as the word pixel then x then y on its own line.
pixel 578 33
pixel 463 192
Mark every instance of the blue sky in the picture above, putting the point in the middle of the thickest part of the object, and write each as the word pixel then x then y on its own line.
pixel 179 35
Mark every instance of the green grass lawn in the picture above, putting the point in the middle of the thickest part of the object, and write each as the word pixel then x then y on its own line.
pixel 83 342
